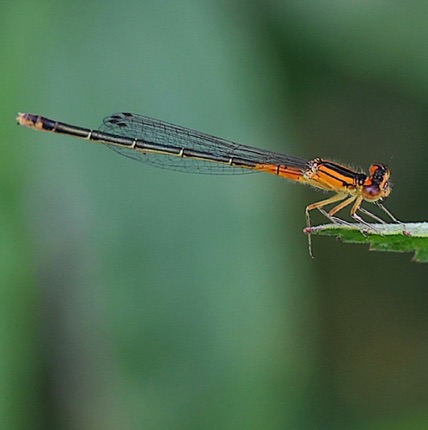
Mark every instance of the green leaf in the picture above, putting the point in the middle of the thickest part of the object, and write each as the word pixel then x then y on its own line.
pixel 411 237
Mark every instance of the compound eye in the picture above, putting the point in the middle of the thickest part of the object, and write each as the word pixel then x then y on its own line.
pixel 377 185
pixel 379 172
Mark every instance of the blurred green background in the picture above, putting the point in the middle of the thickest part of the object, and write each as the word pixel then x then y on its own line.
pixel 141 298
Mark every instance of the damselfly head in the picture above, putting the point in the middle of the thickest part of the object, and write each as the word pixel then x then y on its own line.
pixel 377 185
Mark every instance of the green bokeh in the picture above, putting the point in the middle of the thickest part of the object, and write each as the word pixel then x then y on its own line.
pixel 142 298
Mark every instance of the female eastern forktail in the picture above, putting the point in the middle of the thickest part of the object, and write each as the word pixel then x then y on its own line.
pixel 173 147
